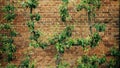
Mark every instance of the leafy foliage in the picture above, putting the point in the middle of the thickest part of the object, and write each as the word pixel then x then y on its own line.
pixel 30 24
pixel 82 42
pixel 8 48
pixel 9 16
pixel 11 66
pixel 27 63
pixel 65 1
pixel 100 27
pixel 95 39
pixel 70 42
pixel 88 5
pixel 67 32
pixel 111 64
pixel 60 47
pixel 60 40
pixel 63 65
pixel 35 34
pixel 35 16
pixel 115 52
pixel 63 10
pixel 90 62
pixel 30 3
pixel 5 26
pixel 9 10
pixel 13 33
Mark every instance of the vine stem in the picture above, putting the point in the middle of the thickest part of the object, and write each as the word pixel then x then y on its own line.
pixel 89 22
pixel 58 59
pixel 31 9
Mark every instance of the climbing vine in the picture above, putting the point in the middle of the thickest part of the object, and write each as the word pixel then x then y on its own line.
pixel 90 6
pixel 64 10
pixel 60 41
pixel 35 34
pixel 90 61
pixel 6 38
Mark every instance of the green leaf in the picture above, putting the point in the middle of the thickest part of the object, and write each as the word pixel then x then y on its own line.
pixel 25 63
pixel 37 17
pixel 11 66
pixel 10 16
pixel 95 40
pixel 8 8
pixel 60 47
pixel 63 12
pixel 100 27
pixel 31 3
pixel 30 24
pixel 13 33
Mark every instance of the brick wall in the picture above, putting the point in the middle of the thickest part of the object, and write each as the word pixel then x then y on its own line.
pixel 51 24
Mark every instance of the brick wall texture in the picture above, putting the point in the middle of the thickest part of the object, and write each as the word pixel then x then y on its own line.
pixel 51 24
